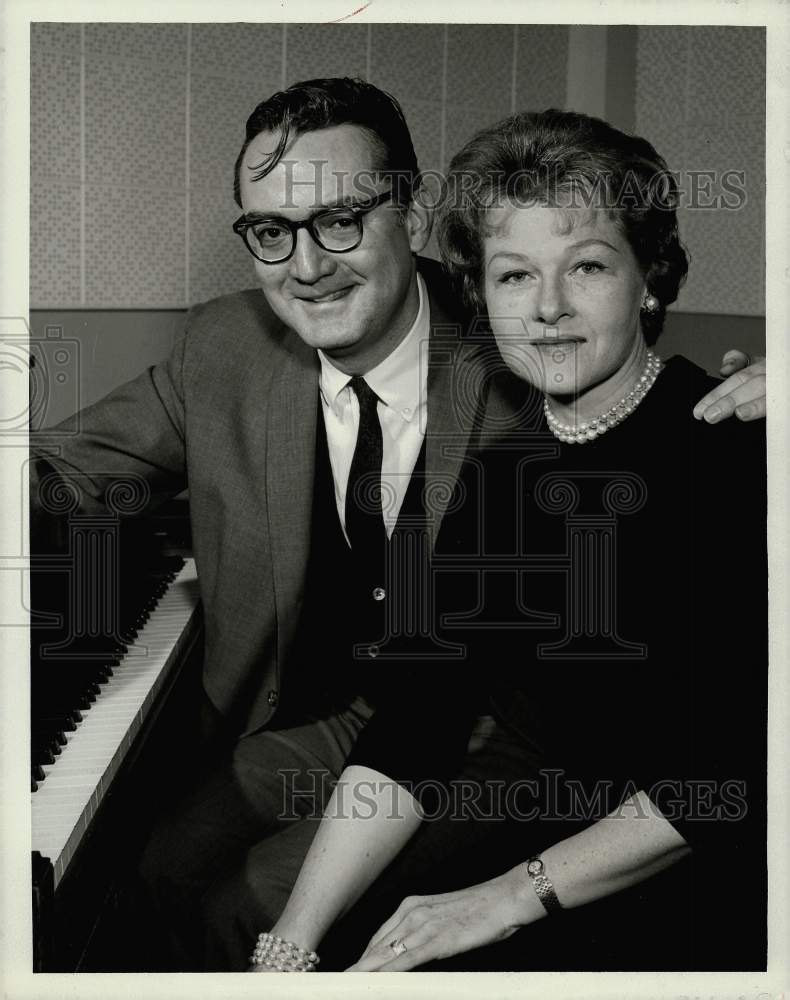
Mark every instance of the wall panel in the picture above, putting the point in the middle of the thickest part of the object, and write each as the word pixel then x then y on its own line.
pixel 133 254
pixel 314 50
pixel 541 66
pixel 55 163
pixel 700 99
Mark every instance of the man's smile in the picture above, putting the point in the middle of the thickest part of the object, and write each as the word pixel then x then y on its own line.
pixel 332 296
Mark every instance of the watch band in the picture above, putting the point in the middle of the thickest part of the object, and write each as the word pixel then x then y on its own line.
pixel 542 884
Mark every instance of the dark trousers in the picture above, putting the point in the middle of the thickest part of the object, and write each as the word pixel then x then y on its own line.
pixel 221 863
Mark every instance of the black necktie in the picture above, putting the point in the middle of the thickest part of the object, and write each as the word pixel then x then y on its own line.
pixel 364 517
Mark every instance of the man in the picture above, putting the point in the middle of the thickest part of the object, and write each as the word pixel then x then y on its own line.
pixel 276 410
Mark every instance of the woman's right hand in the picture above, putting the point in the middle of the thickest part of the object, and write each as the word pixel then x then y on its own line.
pixel 436 927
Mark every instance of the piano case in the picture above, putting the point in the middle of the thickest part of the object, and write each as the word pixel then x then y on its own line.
pixel 116 653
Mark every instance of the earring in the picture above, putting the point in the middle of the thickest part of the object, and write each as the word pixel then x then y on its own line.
pixel 651 304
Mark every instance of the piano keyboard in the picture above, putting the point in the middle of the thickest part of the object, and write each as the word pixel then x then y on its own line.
pixel 75 784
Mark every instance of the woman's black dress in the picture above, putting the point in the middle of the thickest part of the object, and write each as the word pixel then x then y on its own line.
pixel 612 596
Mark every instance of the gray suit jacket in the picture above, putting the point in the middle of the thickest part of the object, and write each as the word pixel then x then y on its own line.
pixel 232 415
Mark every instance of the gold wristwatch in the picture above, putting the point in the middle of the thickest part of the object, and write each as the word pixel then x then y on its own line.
pixel 542 883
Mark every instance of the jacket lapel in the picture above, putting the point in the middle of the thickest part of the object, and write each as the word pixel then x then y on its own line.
pixel 450 424
pixel 290 473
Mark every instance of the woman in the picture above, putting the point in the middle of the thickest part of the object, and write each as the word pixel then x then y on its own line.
pixel 640 680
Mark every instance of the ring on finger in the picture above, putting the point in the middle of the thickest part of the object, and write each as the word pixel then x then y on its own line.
pixel 398 946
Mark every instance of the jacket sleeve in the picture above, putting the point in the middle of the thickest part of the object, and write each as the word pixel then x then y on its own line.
pixel 125 452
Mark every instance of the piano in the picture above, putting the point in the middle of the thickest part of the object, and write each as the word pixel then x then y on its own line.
pixel 115 634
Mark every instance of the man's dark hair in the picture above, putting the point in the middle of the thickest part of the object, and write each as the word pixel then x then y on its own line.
pixel 318 104
pixel 564 158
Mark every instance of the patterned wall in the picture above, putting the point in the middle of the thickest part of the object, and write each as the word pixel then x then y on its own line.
pixel 700 99
pixel 135 129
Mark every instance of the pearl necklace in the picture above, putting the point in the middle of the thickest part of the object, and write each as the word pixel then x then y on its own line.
pixel 591 429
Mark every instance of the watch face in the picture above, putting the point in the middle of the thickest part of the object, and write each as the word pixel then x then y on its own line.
pixel 535 867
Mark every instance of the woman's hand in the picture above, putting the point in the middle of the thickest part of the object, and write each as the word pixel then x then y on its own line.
pixel 743 393
pixel 349 851
pixel 435 927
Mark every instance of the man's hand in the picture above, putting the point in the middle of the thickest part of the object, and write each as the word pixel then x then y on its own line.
pixel 435 927
pixel 743 393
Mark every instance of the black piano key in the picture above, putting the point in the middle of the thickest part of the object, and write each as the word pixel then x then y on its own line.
pixel 54 705
pixel 64 722
pixel 57 736
pixel 77 657
pixel 59 700
pixel 74 669
pixel 42 755
pixel 68 676
pixel 45 742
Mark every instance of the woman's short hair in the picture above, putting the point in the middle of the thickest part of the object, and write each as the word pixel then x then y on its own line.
pixel 323 103
pixel 564 159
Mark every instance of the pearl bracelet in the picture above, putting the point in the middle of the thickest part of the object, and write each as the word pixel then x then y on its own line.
pixel 284 956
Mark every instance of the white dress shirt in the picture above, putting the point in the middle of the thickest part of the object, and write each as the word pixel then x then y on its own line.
pixel 401 383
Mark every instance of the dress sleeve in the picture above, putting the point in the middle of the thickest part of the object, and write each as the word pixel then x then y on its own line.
pixel 691 730
pixel 716 736
pixel 420 730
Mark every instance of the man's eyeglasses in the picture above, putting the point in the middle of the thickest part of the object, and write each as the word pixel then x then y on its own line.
pixel 272 240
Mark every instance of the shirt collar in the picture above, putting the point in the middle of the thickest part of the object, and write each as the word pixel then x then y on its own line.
pixel 397 380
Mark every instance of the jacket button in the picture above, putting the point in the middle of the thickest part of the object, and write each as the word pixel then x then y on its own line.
pixel 379 593
pixel 272 699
